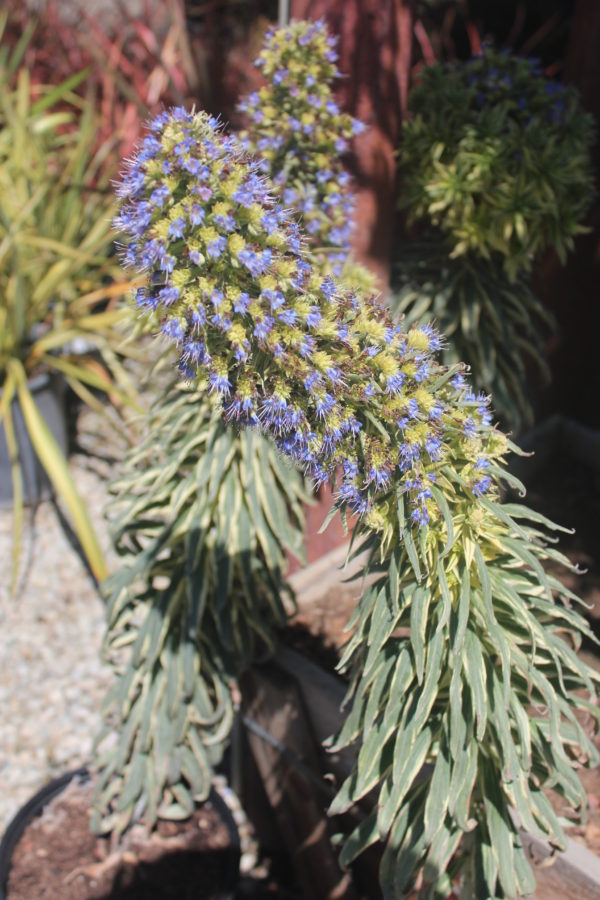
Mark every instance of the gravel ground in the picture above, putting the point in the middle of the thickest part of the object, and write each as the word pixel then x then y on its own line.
pixel 52 680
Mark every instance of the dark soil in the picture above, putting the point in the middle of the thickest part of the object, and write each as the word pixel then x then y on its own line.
pixel 58 857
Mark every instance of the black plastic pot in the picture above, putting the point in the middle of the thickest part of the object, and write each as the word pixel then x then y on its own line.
pixel 49 395
pixel 35 807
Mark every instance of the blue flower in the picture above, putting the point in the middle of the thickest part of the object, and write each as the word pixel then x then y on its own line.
pixel 198 317
pixel 168 295
pixel 172 328
pixel 334 374
pixel 241 304
pixel 159 195
pixel 203 192
pixel 433 445
pixel 191 165
pixel 280 76
pixel 408 453
pixel 481 486
pixel 328 288
pixel 395 382
pixel 177 228
pixel 306 346
pixel 197 214
pixel 219 383
pixel 263 328
pixel 422 372
pixel 349 493
pixel 288 316
pixel 324 405
pixel 314 317
pixel 270 221
pixel 351 425
pixel 215 248
pixel 312 380
pixel 167 263
pixel 225 222
pixel 193 351
pixel 150 147
pixel 420 516
pixel 379 476
pixel 470 428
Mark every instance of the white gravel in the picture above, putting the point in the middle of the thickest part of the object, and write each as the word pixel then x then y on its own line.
pixel 52 680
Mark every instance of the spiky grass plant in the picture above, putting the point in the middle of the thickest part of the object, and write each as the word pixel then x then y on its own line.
pixel 59 280
pixel 202 519
pixel 473 714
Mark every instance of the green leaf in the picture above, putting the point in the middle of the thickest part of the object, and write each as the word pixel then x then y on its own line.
pixel 409 546
pixel 445 510
pixel 418 623
pixel 437 794
pixel 364 835
pixel 459 622
pixel 500 828
pixel 55 465
pixel 475 669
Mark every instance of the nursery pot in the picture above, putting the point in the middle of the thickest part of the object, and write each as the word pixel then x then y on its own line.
pixel 151 876
pixel 49 396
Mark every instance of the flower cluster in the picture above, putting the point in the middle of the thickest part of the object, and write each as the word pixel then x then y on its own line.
pixel 298 131
pixel 325 372
pixel 498 157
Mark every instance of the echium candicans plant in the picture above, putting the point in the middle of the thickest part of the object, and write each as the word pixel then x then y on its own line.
pixel 498 157
pixel 495 168
pixel 297 130
pixel 202 519
pixel 248 501
pixel 468 697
